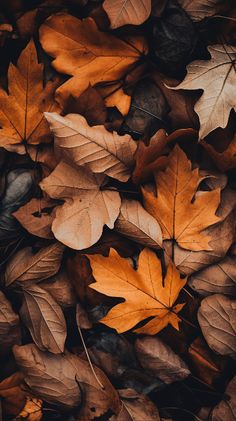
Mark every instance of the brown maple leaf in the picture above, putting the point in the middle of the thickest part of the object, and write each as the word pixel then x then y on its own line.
pixel 92 57
pixel 21 111
pixel 143 291
pixel 181 213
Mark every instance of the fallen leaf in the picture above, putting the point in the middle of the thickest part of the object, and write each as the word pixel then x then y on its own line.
pixel 136 223
pixel 21 111
pixel 9 324
pixel 216 77
pixel 115 277
pixel 25 266
pixel 204 363
pixel 50 377
pixel 90 104
pixel 225 160
pixel 216 317
pixel 44 319
pixel 13 397
pixel 219 278
pixel 181 213
pixel 87 206
pixel 35 218
pixel 226 409
pixel 159 360
pixel 89 55
pixel 127 12
pixel 32 410
pixel 96 148
pixel 136 407
pixel 61 289
pixel 201 9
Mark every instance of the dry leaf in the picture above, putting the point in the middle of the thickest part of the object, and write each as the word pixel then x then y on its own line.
pixel 159 360
pixel 26 266
pixel 9 324
pixel 79 221
pixel 89 55
pixel 216 317
pixel 200 9
pixel 219 278
pixel 180 217
pixel 13 397
pixel 61 289
pixel 136 407
pixel 35 218
pixel 136 223
pixel 94 147
pixel 127 12
pixel 226 409
pixel 32 410
pixel 51 377
pixel 21 111
pixel 44 319
pixel 217 78
pixel 226 159
pixel 143 291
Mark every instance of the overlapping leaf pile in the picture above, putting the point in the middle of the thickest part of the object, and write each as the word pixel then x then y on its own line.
pixel 117 212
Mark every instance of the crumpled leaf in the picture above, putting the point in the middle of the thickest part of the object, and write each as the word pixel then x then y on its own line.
pixel 115 277
pixel 217 78
pixel 32 410
pixel 51 377
pixel 159 360
pixel 136 407
pixel 9 324
pixel 44 319
pixel 181 213
pixel 217 316
pixel 136 223
pixel 21 112
pixel 26 266
pixel 35 218
pixel 219 278
pixel 226 409
pixel 127 12
pixel 88 206
pixel 101 151
pixel 89 55
pixel 13 397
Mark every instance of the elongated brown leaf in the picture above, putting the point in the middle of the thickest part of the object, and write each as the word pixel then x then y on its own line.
pixel 61 289
pixel 9 324
pixel 79 221
pixel 137 224
pixel 50 377
pixel 95 147
pixel 136 407
pixel 200 9
pixel 124 12
pixel 44 319
pixel 218 278
pixel 26 266
pixel 217 319
pixel 226 409
pixel 159 359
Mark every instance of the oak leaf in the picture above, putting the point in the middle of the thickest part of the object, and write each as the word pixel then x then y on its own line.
pixel 21 111
pixel 127 12
pixel 88 206
pixel 217 78
pixel 181 213
pixel 143 291
pixel 94 147
pixel 44 319
pixel 89 55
